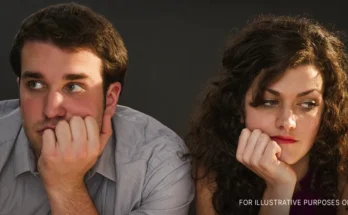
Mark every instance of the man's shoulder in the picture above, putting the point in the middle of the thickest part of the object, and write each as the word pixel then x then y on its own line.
pixel 144 137
pixel 8 106
pixel 148 162
pixel 145 126
pixel 10 120
pixel 10 124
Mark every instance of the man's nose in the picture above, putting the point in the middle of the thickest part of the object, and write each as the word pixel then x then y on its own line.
pixel 54 105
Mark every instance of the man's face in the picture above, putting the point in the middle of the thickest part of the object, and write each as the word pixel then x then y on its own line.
pixel 55 85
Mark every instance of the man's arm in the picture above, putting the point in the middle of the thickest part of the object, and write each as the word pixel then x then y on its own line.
pixel 74 200
pixel 169 189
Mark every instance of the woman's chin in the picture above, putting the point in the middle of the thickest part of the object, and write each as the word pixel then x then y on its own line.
pixel 288 160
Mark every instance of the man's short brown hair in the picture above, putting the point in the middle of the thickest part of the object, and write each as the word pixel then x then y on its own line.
pixel 73 27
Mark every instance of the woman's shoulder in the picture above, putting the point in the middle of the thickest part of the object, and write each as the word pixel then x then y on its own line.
pixel 205 187
pixel 343 194
pixel 342 185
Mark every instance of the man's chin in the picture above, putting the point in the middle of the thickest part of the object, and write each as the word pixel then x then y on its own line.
pixel 36 145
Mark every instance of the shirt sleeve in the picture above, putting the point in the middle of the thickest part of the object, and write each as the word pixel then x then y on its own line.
pixel 168 187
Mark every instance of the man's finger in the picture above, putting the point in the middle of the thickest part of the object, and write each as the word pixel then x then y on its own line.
pixel 48 143
pixel 78 130
pixel 63 135
pixel 92 134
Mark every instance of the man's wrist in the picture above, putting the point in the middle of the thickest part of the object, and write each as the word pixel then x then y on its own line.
pixel 65 190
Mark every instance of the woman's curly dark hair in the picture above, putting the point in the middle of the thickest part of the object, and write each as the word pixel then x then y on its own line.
pixel 267 47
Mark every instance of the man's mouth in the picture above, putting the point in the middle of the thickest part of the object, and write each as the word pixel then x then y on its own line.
pixel 41 131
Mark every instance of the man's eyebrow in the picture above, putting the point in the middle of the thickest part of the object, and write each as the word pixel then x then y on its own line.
pixel 76 76
pixel 276 93
pixel 28 74
pixel 68 77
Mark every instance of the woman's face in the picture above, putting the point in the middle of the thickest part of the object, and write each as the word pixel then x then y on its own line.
pixel 291 111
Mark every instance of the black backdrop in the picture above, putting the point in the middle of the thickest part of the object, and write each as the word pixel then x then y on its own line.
pixel 174 46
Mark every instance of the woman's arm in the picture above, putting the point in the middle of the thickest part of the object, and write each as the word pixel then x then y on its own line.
pixel 277 193
pixel 205 187
pixel 343 193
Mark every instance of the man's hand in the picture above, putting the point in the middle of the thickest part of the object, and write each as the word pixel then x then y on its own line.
pixel 69 152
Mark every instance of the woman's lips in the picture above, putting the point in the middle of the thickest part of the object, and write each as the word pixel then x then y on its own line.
pixel 283 140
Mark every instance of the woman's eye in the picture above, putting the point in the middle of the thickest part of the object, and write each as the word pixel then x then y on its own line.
pixel 35 85
pixel 270 103
pixel 74 88
pixel 309 105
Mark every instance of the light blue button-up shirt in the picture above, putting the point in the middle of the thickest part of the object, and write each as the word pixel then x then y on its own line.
pixel 141 170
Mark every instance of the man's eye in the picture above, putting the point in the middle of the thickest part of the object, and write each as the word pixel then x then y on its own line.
pixel 74 88
pixel 270 103
pixel 35 85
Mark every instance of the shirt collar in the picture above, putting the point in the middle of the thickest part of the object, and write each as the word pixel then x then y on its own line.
pixel 106 163
pixel 24 158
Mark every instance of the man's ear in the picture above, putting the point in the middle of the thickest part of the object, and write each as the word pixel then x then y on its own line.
pixel 18 81
pixel 111 98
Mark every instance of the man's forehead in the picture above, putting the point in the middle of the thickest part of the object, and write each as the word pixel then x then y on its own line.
pixel 42 49
pixel 45 60
pixel 65 48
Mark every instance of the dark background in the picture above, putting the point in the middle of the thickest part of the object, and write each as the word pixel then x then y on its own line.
pixel 174 46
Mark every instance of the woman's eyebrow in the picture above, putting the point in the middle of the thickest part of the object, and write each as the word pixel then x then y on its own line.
pixel 276 93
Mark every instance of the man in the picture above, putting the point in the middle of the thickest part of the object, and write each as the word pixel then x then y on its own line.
pixel 64 149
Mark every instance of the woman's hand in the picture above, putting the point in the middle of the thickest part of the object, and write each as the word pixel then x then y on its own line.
pixel 260 154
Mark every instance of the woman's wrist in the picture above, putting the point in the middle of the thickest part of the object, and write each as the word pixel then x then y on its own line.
pixel 279 191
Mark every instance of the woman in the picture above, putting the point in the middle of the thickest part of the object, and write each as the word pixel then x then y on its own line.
pixel 272 126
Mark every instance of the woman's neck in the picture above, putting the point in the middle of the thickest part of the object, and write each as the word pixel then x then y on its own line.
pixel 301 167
